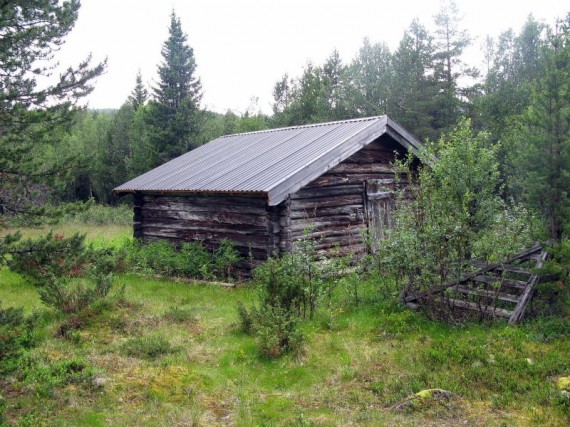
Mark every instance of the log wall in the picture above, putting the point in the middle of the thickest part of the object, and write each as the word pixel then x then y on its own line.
pixel 333 207
pixel 206 218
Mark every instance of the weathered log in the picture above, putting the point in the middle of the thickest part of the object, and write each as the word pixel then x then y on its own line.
pixel 205 209
pixel 309 204
pixel 331 191
pixel 208 200
pixel 246 240
pixel 364 169
pixel 326 223
pixel 324 233
pixel 208 227
pixel 213 217
pixel 351 211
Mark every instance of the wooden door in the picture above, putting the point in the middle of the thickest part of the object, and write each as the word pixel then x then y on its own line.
pixel 379 208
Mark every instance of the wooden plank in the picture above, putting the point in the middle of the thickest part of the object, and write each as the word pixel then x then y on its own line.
pixel 324 223
pixel 332 179
pixel 364 169
pixel 310 204
pixel 380 195
pixel 490 311
pixel 492 294
pixel 519 284
pixel 513 269
pixel 213 217
pixel 260 230
pixel 259 202
pixel 328 232
pixel 205 208
pixel 332 191
pixel 518 313
pixel 352 211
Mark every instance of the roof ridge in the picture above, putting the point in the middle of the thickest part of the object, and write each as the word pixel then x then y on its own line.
pixel 359 119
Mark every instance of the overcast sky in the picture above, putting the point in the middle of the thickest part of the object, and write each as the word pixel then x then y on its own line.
pixel 242 47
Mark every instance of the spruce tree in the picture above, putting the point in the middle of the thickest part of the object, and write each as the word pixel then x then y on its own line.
pixel 175 111
pixel 139 95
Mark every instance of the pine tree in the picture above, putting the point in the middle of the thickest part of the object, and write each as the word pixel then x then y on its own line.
pixel 415 92
pixel 139 95
pixel 548 133
pixel 32 115
pixel 449 45
pixel 371 78
pixel 334 88
pixel 175 111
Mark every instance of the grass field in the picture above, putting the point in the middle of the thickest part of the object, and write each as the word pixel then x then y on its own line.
pixel 172 353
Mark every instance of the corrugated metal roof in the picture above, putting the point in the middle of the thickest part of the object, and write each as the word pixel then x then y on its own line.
pixel 276 162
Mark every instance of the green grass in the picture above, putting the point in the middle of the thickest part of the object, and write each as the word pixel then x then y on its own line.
pixel 111 234
pixel 206 372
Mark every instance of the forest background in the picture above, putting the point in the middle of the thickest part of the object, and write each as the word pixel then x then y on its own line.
pixel 521 98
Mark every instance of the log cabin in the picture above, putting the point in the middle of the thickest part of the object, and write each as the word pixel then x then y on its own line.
pixel 263 190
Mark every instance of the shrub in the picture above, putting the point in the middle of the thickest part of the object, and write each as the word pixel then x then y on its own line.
pixel 554 290
pixel 192 259
pixel 225 259
pixel 16 335
pixel 46 377
pixel 455 214
pixel 69 296
pixel 68 275
pixel 295 281
pixel 277 332
pixel 49 256
pixel 246 318
pixel 148 347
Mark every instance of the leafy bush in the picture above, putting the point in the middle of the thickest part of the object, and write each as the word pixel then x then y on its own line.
pixel 225 259
pixel 148 347
pixel 455 214
pixel 554 290
pixel 275 328
pixel 192 259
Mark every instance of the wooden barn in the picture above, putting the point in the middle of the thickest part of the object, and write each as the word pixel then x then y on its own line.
pixel 262 190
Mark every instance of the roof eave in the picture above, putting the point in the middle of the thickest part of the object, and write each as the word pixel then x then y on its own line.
pixel 192 192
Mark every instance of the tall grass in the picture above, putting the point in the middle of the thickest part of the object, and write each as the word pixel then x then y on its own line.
pixel 101 215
